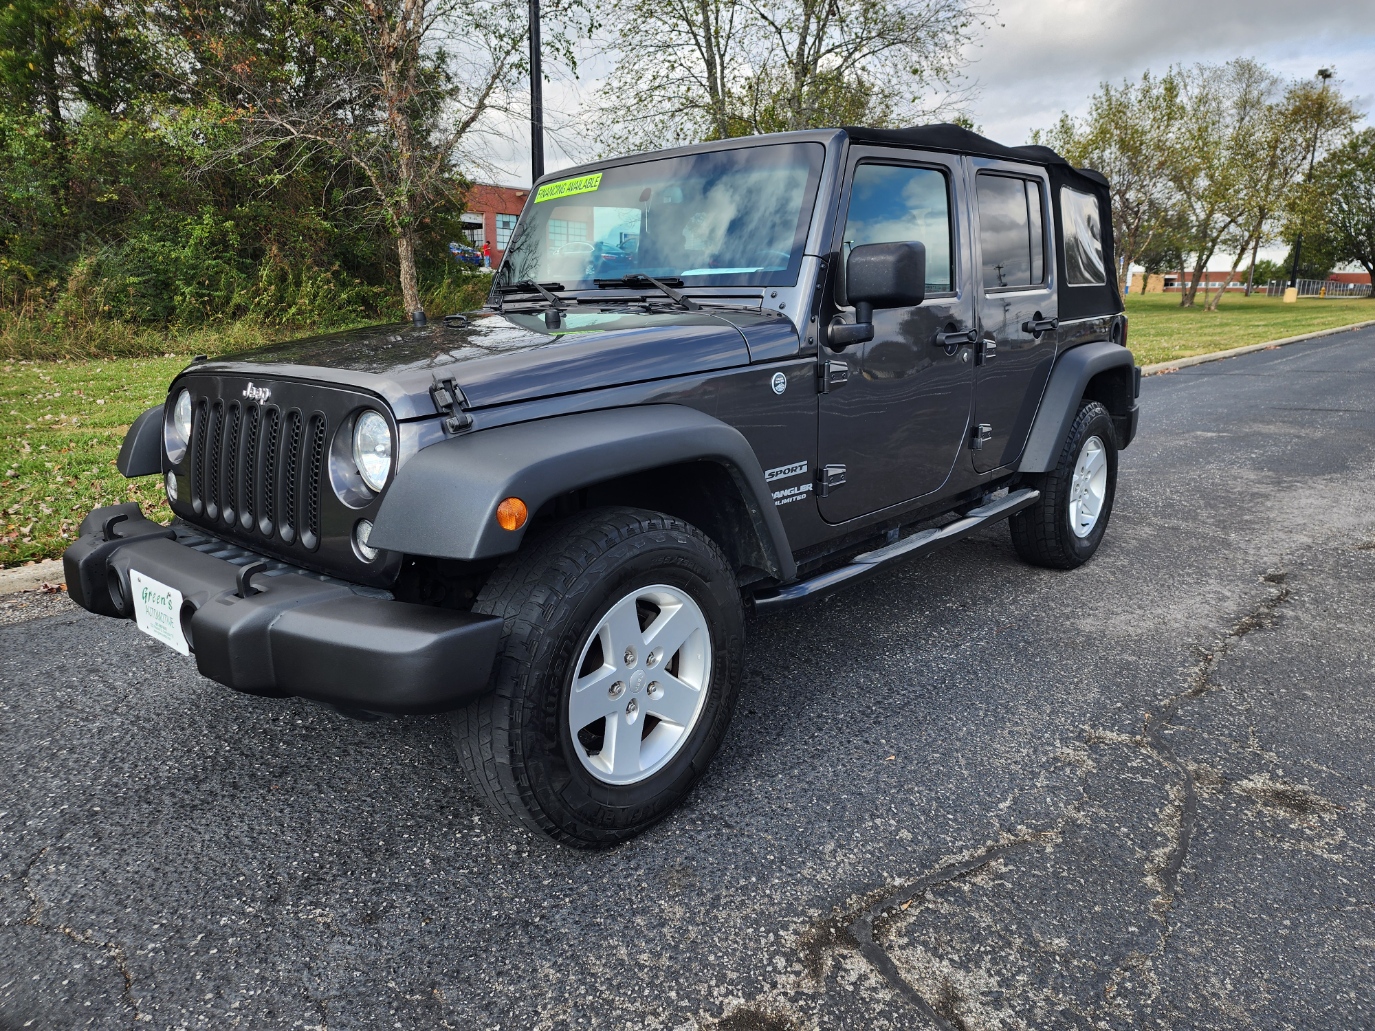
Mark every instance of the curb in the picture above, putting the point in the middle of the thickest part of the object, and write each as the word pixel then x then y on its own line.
pixel 1232 352
pixel 31 577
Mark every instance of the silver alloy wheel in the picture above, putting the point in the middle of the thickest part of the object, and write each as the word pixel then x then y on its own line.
pixel 639 684
pixel 1089 487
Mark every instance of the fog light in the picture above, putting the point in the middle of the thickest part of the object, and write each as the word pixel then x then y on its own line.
pixel 512 513
pixel 171 485
pixel 361 533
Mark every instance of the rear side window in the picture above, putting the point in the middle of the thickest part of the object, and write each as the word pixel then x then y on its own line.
pixel 1011 235
pixel 1083 228
pixel 897 204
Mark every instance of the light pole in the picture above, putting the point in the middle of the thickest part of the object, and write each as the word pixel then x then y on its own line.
pixel 1324 74
pixel 536 98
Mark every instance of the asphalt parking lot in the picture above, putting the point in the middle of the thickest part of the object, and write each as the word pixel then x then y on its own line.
pixel 971 794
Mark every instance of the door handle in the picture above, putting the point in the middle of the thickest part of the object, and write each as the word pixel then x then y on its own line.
pixel 1038 325
pixel 952 339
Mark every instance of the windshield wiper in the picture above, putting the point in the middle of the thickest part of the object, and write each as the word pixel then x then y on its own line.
pixel 666 287
pixel 557 304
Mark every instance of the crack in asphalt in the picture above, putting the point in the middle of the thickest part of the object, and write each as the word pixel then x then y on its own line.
pixel 1200 683
pixel 112 950
pixel 861 930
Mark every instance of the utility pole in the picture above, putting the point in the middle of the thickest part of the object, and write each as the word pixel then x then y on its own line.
pixel 536 98
pixel 1324 74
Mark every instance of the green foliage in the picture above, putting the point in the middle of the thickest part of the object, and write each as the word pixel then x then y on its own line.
pixel 136 191
pixel 1341 202
pixel 1267 270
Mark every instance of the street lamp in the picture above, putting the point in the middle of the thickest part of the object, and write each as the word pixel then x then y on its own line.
pixel 1324 74
pixel 536 98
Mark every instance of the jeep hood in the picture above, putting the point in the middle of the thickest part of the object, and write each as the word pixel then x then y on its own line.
pixel 500 358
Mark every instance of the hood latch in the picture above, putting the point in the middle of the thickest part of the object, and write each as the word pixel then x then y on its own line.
pixel 448 402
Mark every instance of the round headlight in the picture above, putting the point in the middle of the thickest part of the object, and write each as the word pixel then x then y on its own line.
pixel 372 449
pixel 176 429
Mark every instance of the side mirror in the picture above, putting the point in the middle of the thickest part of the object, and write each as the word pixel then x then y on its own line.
pixel 879 275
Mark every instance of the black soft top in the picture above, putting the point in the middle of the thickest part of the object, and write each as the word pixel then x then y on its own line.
pixel 1076 302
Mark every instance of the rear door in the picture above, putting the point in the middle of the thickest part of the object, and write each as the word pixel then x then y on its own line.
pixel 893 421
pixel 1017 293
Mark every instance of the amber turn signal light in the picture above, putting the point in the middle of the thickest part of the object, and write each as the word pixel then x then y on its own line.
pixel 512 513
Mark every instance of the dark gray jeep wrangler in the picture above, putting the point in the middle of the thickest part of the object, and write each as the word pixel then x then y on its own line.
pixel 729 377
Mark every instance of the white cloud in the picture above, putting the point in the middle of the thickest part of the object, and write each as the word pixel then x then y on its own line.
pixel 1048 56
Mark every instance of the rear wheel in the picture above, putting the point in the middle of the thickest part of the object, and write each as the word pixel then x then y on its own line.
pixel 1064 528
pixel 617 677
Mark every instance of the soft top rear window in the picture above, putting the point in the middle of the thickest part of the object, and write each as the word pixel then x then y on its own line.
pixel 1082 225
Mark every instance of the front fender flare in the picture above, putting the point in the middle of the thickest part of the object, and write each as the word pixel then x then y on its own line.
pixel 443 501
pixel 1060 403
pixel 141 452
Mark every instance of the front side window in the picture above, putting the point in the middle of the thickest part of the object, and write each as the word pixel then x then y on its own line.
pixel 897 204
pixel 1083 228
pixel 1011 237
pixel 730 217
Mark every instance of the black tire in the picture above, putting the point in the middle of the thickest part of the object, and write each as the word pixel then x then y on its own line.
pixel 515 743
pixel 1042 534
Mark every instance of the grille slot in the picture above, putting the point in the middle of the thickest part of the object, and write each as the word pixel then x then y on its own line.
pixel 248 466
pixel 272 424
pixel 259 469
pixel 212 460
pixel 291 465
pixel 315 467
pixel 198 458
pixel 231 463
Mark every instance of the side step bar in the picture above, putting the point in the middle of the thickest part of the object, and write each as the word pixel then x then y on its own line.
pixel 861 567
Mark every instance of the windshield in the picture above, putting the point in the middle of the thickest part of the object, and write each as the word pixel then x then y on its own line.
pixel 729 217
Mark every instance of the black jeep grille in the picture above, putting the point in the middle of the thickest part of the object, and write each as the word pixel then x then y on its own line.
pixel 259 466
pixel 261 492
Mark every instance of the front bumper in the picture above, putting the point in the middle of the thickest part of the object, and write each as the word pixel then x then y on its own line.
pixel 301 633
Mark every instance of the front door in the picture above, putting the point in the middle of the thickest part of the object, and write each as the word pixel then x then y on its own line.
pixel 1016 295
pixel 896 415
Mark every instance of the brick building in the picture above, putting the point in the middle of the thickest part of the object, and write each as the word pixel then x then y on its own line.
pixel 491 216
pixel 1212 279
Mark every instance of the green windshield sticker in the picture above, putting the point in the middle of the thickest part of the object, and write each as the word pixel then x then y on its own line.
pixel 568 187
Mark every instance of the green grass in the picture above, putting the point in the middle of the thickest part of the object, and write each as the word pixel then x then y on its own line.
pixel 61 422
pixel 1160 330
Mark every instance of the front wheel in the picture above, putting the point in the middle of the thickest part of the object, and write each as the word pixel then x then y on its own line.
pixel 1064 528
pixel 618 675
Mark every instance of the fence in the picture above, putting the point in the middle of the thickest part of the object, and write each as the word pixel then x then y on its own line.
pixel 1318 288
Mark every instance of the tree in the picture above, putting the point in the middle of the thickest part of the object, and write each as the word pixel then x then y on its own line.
pixel 1342 195
pixel 1121 136
pixel 1272 150
pixel 689 70
pixel 396 89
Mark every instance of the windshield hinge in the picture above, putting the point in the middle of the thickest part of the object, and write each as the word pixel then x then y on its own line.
pixel 449 402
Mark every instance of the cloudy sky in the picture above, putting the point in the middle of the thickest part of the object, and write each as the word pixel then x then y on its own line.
pixel 1041 57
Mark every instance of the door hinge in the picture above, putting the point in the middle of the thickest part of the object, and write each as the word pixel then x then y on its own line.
pixel 832 374
pixel 987 349
pixel 828 478
pixel 979 435
pixel 448 401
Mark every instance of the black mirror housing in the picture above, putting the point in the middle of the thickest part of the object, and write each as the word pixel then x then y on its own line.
pixel 886 275
pixel 879 275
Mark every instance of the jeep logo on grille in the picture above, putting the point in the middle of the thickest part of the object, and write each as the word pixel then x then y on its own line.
pixel 259 394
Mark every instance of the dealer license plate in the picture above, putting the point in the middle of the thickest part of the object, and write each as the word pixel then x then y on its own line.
pixel 157 610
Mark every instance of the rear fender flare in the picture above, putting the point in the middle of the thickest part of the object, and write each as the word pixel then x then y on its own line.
pixel 1060 403
pixel 443 501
